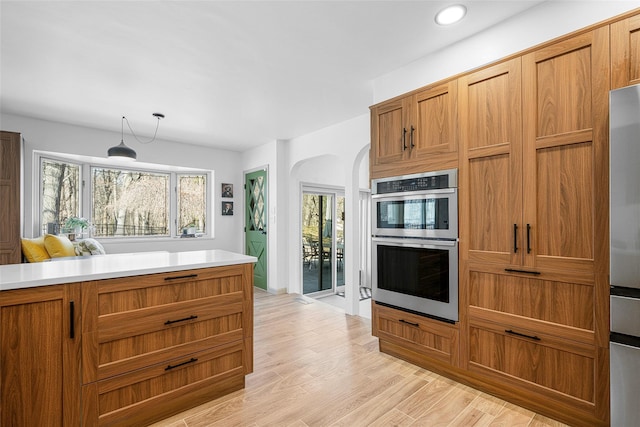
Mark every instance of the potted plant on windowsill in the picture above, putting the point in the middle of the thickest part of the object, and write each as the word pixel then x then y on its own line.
pixel 75 226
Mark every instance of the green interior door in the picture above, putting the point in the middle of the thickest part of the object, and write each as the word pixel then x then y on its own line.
pixel 256 224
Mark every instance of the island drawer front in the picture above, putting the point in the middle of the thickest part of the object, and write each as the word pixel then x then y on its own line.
pixel 426 336
pixel 137 321
pixel 562 371
pixel 152 393
pixel 139 292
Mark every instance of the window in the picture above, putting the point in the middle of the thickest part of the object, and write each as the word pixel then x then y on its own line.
pixel 59 193
pixel 192 202
pixel 129 203
pixel 124 203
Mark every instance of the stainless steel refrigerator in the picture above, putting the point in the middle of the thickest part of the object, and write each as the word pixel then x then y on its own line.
pixel 624 277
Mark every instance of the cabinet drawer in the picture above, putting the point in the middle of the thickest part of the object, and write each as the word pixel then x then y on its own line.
pixel 133 322
pixel 432 338
pixel 155 290
pixel 562 370
pixel 565 309
pixel 145 395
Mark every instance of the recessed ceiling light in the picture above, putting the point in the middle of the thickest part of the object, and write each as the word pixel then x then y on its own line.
pixel 451 14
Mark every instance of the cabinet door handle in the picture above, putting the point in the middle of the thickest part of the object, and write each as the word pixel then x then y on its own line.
pixel 531 337
pixel 72 323
pixel 404 139
pixel 170 367
pixel 528 238
pixel 170 322
pixel 514 270
pixel 411 144
pixel 188 276
pixel 417 325
pixel 515 238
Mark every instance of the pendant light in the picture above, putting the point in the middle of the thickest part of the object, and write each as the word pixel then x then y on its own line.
pixel 122 150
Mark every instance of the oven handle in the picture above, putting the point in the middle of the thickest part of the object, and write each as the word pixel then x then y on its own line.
pixel 410 194
pixel 427 243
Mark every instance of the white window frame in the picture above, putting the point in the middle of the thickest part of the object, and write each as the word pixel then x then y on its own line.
pixel 86 163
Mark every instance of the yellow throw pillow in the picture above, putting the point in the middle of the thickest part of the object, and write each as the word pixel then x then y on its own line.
pixel 34 250
pixel 58 246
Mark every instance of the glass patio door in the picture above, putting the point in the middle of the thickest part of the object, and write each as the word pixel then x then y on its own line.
pixel 322 242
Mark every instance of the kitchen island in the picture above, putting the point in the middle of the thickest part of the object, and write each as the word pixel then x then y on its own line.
pixel 123 339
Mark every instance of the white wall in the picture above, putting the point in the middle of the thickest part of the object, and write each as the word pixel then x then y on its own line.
pixel 44 135
pixel 334 156
pixel 273 157
pixel 537 25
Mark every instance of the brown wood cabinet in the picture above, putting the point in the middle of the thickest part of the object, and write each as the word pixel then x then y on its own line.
pixel 625 52
pixel 157 344
pixel 533 193
pixel 40 356
pixel 10 208
pixel 532 251
pixel 126 351
pixel 415 337
pixel 415 130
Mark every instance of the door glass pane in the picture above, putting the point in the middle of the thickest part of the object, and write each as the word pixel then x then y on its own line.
pixel 340 241
pixel 317 242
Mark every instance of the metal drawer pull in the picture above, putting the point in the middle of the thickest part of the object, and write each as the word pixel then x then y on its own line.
pixel 169 367
pixel 513 270
pixel 188 276
pixel 531 337
pixel 169 322
pixel 528 238
pixel 417 325
pixel 72 323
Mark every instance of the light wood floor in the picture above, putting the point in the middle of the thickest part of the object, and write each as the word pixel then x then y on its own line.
pixel 316 366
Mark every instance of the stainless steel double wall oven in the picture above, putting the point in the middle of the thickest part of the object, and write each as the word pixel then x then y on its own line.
pixel 415 243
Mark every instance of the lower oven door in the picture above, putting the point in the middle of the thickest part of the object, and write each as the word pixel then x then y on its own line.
pixel 419 275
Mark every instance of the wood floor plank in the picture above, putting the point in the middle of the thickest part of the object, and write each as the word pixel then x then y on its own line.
pixel 315 366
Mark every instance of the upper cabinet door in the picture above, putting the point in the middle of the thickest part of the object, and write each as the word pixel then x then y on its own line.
pixel 389 133
pixel 625 52
pixel 433 128
pixel 491 173
pixel 415 133
pixel 565 159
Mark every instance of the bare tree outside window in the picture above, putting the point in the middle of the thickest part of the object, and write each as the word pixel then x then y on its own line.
pixel 123 203
pixel 60 192
pixel 129 203
pixel 192 202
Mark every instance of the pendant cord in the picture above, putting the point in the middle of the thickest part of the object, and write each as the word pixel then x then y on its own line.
pixel 133 133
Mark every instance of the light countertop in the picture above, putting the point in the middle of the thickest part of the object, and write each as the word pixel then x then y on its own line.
pixel 97 267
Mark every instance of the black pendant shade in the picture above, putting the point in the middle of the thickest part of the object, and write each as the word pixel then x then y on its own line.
pixel 122 150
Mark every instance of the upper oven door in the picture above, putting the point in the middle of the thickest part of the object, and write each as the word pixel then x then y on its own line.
pixel 431 215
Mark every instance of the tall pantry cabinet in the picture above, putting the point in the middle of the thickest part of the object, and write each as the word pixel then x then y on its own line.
pixel 533 183
pixel 10 207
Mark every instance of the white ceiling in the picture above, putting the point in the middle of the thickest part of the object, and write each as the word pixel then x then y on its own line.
pixel 228 74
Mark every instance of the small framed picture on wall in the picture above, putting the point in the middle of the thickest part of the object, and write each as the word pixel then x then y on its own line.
pixel 227 190
pixel 227 208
